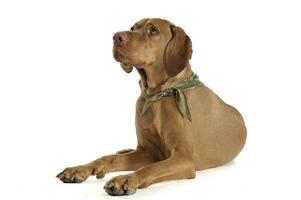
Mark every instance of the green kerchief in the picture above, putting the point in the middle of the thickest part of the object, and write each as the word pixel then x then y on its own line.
pixel 177 91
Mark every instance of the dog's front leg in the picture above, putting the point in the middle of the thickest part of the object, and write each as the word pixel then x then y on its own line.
pixel 121 161
pixel 178 166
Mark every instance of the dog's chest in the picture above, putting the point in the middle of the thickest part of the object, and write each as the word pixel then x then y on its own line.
pixel 150 126
pixel 156 113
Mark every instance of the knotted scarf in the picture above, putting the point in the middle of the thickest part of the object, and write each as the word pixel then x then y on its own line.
pixel 177 91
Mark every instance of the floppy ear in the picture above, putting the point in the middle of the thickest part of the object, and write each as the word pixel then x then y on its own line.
pixel 178 51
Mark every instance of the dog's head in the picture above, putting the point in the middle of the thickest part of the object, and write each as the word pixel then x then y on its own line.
pixel 153 42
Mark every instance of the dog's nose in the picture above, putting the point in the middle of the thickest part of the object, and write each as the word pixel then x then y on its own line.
pixel 120 38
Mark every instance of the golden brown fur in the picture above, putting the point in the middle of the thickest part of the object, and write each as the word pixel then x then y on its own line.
pixel 169 146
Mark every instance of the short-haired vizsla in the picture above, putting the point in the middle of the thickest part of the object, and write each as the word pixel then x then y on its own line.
pixel 179 131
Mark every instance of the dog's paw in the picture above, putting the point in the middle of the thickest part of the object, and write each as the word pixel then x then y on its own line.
pixel 121 185
pixel 75 174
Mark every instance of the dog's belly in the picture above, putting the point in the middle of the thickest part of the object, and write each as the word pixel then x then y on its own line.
pixel 218 129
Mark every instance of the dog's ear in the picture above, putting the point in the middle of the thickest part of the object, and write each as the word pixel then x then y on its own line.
pixel 177 52
pixel 126 68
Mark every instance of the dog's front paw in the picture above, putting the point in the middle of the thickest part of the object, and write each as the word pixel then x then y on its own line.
pixel 121 185
pixel 75 174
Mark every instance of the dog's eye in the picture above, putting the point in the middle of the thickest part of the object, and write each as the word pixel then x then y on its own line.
pixel 132 28
pixel 152 31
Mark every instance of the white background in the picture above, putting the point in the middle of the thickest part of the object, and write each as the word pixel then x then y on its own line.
pixel 61 93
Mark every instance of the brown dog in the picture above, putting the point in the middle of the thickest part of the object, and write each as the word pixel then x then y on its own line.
pixel 181 125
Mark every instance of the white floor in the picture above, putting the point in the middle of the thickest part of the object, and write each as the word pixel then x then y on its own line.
pixel 236 180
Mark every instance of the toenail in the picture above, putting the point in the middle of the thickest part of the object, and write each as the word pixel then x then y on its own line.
pixel 100 176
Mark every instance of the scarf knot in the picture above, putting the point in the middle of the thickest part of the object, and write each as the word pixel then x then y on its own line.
pixel 176 90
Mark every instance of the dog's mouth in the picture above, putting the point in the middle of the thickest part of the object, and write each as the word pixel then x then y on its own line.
pixel 120 54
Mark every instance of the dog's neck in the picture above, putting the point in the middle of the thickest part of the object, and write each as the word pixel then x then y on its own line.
pixel 153 80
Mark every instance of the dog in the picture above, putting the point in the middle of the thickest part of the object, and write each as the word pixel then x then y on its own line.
pixel 181 125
